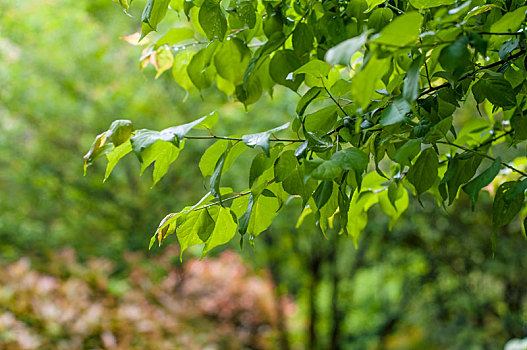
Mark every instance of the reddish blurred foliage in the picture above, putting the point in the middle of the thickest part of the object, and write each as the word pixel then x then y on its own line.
pixel 213 304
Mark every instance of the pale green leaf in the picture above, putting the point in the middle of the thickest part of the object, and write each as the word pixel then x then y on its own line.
pixel 115 155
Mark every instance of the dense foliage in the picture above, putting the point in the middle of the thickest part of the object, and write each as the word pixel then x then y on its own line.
pixel 380 84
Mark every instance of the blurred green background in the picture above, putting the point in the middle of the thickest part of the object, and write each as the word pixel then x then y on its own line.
pixel 75 269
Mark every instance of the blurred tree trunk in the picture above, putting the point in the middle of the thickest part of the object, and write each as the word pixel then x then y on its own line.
pixel 281 322
pixel 334 342
pixel 313 315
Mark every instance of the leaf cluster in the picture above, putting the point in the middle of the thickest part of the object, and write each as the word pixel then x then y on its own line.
pixel 391 77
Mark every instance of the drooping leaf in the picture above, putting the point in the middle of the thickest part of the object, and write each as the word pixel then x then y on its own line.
pixel 98 147
pixel 341 54
pixel 411 81
pixel 224 230
pixel 163 153
pixel 505 209
pixel 423 172
pixel 282 66
pixel 212 20
pixel 351 159
pixel 364 83
pixel 218 171
pixel 153 13
pixel 402 30
pixel 473 187
pixel 307 98
pixel 322 120
pixel 119 132
pixel 231 59
pixel 262 139
pixel 396 112
pixel 210 157
pixel 199 68
pixel 303 39
pixel 115 155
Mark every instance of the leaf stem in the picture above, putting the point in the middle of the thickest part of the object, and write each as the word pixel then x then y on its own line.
pixel 466 149
pixel 469 75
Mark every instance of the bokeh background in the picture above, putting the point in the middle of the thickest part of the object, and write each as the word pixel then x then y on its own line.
pixel 75 271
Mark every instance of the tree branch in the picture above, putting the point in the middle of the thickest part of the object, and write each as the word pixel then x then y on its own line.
pixel 214 137
pixel 469 75
pixel 466 149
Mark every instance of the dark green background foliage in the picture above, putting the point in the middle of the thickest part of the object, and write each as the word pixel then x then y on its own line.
pixel 389 113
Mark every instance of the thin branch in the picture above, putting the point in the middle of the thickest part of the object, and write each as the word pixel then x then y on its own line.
pixel 507 33
pixel 493 139
pixel 466 149
pixel 223 200
pixel 426 68
pixel 214 137
pixel 238 195
pixel 469 75
pixel 333 98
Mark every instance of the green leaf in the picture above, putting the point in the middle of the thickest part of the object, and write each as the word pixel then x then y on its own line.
pixel 396 112
pixel 285 165
pixel 231 59
pixel 98 147
pixel 460 170
pixel 119 132
pixel 212 20
pixel 455 58
pixel 328 209
pixel 423 172
pixel 357 216
pixel 243 221
pixel 424 4
pixel 174 36
pixel 210 157
pixel 497 90
pixel 261 162
pixel 179 69
pixel 519 125
pixel 307 98
pixel 115 155
pixel 485 178
pixel 246 13
pixel 402 30
pixel 510 22
pixel 408 151
pixel 303 39
pixel 364 83
pixel 199 68
pixel 351 159
pixel 341 54
pixel 316 68
pixel 188 231
pixel 153 13
pixel 263 213
pixel 282 66
pixel 322 120
pixel 262 139
pixel 505 209
pixel 163 153
pixel 396 207
pixel 323 193
pixel 319 169
pixel 411 81
pixel 380 18
pixel 216 174
pixel 224 230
